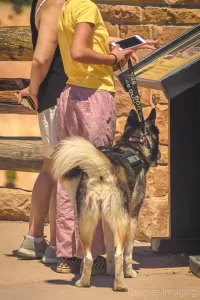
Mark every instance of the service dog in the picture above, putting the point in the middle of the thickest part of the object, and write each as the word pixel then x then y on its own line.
pixel 109 184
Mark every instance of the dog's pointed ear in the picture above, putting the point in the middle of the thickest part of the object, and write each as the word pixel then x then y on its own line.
pixel 133 117
pixel 152 115
pixel 131 123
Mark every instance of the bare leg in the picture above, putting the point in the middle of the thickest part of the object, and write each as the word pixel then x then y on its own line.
pixel 40 200
pixel 128 251
pixel 52 217
pixel 110 249
pixel 119 284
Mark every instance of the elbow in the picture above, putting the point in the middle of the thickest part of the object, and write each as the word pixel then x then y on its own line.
pixel 41 62
pixel 77 55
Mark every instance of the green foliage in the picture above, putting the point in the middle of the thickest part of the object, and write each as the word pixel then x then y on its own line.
pixel 11 177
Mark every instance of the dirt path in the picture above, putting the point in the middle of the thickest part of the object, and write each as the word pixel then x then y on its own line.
pixel 159 276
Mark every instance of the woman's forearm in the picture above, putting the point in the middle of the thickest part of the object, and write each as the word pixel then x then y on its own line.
pixel 89 56
pixel 39 71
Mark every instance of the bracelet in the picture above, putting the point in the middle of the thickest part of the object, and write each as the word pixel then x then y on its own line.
pixel 115 62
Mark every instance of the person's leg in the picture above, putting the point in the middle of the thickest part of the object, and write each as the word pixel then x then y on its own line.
pixel 52 217
pixel 34 245
pixel 91 114
pixel 50 253
pixel 40 200
pixel 65 226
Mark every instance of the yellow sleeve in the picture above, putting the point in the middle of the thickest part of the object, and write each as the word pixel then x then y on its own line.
pixel 86 12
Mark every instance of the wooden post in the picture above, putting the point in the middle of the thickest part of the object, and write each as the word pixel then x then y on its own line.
pixel 9 105
pixel 12 84
pixel 21 154
pixel 8 101
pixel 15 44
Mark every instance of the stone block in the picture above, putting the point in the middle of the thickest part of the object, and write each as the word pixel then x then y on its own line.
pixel 162 122
pixel 164 155
pixel 121 13
pixel 153 219
pixel 113 29
pixel 158 97
pixel 14 204
pixel 165 34
pixel 144 31
pixel 167 16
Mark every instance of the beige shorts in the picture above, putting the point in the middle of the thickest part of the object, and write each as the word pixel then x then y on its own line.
pixel 48 129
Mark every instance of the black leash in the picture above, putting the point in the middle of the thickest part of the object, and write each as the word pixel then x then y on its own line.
pixel 131 86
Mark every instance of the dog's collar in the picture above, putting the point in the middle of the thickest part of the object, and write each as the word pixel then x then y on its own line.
pixel 141 140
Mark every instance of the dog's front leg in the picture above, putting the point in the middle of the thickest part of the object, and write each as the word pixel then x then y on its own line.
pixel 128 251
pixel 110 249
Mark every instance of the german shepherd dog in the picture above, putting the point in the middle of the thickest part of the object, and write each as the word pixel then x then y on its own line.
pixel 110 185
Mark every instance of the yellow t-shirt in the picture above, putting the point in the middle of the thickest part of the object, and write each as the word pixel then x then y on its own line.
pixel 84 75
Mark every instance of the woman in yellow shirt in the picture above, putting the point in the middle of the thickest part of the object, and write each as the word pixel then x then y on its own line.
pixel 86 108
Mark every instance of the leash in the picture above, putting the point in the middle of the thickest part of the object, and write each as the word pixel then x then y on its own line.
pixel 131 86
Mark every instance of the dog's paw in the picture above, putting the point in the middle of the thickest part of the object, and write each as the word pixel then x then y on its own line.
pixel 130 274
pixel 122 287
pixel 80 283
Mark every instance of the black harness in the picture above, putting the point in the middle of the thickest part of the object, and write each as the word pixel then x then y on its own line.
pixel 125 158
pixel 131 161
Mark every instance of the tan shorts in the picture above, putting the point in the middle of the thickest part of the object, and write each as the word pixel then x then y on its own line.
pixel 48 129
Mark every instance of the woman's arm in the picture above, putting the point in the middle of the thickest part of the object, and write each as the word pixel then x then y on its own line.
pixel 45 49
pixel 46 43
pixel 82 52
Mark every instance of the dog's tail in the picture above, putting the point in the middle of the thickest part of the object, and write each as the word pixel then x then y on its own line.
pixel 78 152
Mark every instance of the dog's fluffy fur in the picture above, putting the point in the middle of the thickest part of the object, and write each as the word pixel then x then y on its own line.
pixel 103 189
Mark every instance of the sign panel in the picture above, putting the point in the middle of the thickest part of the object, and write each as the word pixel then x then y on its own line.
pixel 169 64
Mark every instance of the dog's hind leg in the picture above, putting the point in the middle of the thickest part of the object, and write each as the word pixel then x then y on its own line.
pixel 120 238
pixel 128 251
pixel 87 223
pixel 110 248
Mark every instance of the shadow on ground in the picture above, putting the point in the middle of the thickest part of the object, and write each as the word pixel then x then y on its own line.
pixel 97 281
pixel 143 258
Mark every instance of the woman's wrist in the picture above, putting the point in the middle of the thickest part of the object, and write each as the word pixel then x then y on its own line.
pixel 33 91
pixel 114 59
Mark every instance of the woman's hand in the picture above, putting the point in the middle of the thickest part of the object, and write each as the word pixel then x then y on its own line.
pixel 121 54
pixel 27 92
pixel 148 45
pixel 122 63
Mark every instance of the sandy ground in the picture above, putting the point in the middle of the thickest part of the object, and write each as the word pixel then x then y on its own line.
pixel 159 276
